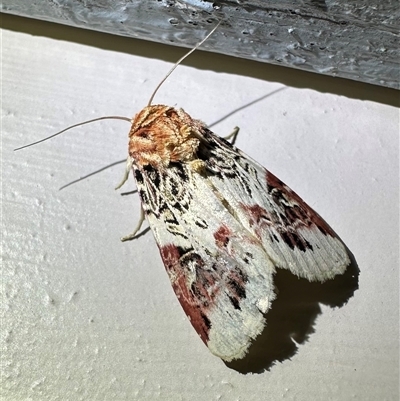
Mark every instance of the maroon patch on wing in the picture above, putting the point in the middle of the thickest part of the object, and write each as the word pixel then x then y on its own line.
pixel 288 214
pixel 170 255
pixel 233 279
pixel 299 211
pixel 222 236
pixel 198 285
pixel 258 215
pixel 197 297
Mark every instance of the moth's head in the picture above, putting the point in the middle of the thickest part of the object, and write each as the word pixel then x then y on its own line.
pixel 162 134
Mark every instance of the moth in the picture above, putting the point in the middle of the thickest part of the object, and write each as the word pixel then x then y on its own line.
pixel 223 225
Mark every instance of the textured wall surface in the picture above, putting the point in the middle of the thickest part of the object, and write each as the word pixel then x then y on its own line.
pixel 356 40
pixel 85 317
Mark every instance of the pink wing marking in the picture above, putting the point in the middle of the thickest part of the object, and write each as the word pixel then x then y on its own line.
pixel 190 298
pixel 198 284
pixel 311 216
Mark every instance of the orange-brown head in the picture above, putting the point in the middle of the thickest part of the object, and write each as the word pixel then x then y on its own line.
pixel 162 134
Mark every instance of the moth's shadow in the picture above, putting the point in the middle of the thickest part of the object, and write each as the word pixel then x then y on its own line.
pixel 292 316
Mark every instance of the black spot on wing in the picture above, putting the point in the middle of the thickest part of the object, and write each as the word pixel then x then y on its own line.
pixel 180 171
pixel 234 302
pixel 206 321
pixel 183 251
pixel 238 289
pixel 295 240
pixel 138 176
pixel 201 223
pixel 152 174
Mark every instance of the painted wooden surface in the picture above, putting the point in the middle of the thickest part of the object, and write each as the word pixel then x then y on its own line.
pixel 357 40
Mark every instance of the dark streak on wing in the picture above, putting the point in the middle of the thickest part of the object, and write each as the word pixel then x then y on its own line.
pixel 288 212
pixel 197 293
pixel 298 213
pixel 197 300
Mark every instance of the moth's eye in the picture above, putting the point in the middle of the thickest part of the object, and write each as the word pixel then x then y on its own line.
pixel 144 134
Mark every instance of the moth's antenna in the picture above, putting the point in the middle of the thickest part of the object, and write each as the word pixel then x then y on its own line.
pixel 179 61
pixel 119 117
pixel 74 126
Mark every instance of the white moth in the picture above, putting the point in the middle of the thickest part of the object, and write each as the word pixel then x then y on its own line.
pixel 223 224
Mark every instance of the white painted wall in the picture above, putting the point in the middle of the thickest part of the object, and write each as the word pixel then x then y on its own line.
pixel 86 317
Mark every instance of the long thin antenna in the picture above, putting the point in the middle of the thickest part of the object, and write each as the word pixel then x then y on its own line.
pixel 179 61
pixel 73 126
pixel 119 117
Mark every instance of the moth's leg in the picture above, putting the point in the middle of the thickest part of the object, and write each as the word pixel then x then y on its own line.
pixel 128 167
pixel 137 228
pixel 232 135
